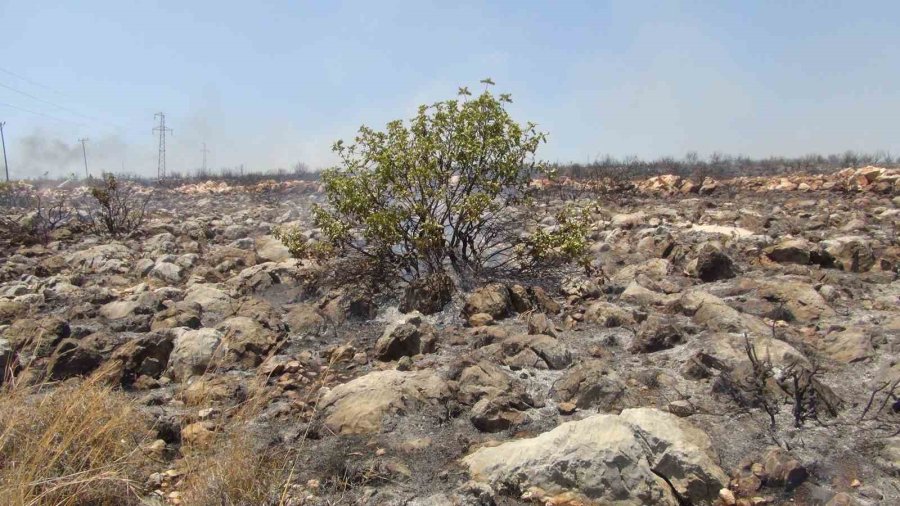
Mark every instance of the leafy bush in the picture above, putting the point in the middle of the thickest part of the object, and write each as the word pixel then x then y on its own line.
pixel 568 241
pixel 298 245
pixel 118 208
pixel 434 191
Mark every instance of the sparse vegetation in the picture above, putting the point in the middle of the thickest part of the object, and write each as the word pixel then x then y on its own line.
pixel 117 208
pixel 33 219
pixel 721 166
pixel 234 470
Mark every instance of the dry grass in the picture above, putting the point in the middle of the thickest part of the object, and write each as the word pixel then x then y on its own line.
pixel 234 471
pixel 233 468
pixel 71 444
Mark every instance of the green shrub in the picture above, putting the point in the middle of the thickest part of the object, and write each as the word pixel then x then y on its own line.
pixel 566 242
pixel 298 245
pixel 437 190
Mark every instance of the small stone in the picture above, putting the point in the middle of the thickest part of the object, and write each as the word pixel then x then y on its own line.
pixel 681 408
pixel 404 364
pixel 566 408
pixel 206 414
pixel 481 320
pixel 727 497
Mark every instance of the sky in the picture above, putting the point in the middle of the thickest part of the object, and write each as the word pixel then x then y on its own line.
pixel 272 83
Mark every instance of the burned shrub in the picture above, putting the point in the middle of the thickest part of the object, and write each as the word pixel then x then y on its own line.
pixel 116 208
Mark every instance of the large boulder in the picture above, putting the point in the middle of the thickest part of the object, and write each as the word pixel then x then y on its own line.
pixel 247 341
pixel 194 352
pixel 655 268
pixel 498 399
pixel 405 339
pixel 712 264
pixel 73 358
pixel 679 451
pixel 638 295
pixel 141 304
pixel 305 320
pixel 493 299
pixel 180 314
pixel 800 298
pixel 494 414
pixel 147 355
pixel 214 302
pixel 715 314
pixel 38 336
pixel 852 345
pixel 851 253
pixel 228 258
pixel 363 405
pixel 270 249
pixel 794 251
pixel 289 275
pixel 642 456
pixel 656 333
pixel 102 258
pixel 428 295
pixel 486 379
pixel 538 351
pixel 590 384
pixel 167 272
pixel 628 220
pixel 132 314
pixel 608 314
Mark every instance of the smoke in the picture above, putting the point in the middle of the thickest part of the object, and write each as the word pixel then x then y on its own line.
pixel 42 154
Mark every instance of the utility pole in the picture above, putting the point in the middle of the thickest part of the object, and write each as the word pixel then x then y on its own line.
pixel 87 175
pixel 3 140
pixel 161 161
pixel 204 157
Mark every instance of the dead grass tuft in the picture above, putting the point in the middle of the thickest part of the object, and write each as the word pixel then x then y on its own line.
pixel 234 471
pixel 71 444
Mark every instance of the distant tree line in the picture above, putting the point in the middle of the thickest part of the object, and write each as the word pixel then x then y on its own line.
pixel 300 171
pixel 719 165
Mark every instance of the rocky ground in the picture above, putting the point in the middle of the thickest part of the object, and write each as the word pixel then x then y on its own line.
pixel 740 344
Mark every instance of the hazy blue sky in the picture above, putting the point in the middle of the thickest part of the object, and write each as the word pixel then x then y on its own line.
pixel 271 83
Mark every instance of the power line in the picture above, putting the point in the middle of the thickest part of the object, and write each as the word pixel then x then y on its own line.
pixel 161 161
pixel 32 82
pixel 54 104
pixel 42 114
pixel 64 108
pixel 204 157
